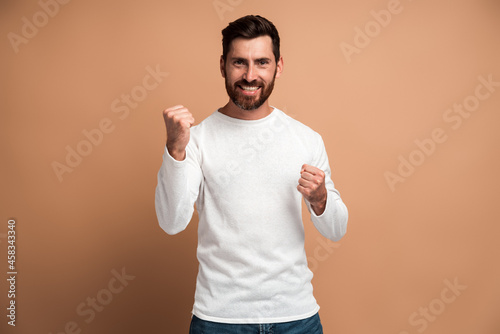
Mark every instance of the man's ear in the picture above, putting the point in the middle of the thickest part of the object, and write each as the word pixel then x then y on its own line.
pixel 222 67
pixel 279 67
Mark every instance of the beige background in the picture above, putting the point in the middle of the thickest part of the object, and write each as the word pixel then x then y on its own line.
pixel 441 223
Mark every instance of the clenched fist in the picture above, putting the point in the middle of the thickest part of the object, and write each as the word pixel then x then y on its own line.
pixel 178 120
pixel 312 187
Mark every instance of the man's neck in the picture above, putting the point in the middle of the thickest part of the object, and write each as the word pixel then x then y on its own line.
pixel 232 110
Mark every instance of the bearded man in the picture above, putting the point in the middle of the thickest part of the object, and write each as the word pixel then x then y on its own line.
pixel 247 167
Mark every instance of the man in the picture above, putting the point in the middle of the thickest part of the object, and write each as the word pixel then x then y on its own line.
pixel 247 167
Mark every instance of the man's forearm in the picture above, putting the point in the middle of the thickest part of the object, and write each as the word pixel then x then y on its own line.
pixel 332 223
pixel 176 192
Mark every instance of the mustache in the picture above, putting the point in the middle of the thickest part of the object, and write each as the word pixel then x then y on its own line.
pixel 254 83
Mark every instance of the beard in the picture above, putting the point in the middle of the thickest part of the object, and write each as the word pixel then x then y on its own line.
pixel 249 102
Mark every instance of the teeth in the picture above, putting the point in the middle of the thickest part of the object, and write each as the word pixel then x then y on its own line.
pixel 250 88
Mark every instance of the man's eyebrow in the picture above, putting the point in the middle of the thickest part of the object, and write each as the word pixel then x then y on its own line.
pixel 257 60
pixel 238 58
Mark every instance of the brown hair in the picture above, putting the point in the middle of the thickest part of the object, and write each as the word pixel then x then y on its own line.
pixel 250 26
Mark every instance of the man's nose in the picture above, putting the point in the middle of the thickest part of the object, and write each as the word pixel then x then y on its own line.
pixel 250 74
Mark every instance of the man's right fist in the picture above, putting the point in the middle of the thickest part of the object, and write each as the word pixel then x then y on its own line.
pixel 178 120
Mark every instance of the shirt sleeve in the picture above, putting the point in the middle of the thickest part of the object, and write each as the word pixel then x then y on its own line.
pixel 332 223
pixel 178 187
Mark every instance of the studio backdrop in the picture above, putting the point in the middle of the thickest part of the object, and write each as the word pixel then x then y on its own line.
pixel 406 95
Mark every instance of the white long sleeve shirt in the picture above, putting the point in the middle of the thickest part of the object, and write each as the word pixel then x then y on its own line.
pixel 243 177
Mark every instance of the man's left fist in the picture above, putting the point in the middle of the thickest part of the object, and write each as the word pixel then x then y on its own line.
pixel 312 187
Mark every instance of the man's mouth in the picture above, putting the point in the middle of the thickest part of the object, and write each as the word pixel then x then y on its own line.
pixel 249 90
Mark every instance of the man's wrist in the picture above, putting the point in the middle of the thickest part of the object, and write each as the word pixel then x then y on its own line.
pixel 178 155
pixel 319 207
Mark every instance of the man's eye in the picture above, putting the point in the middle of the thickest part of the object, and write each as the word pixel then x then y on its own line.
pixel 238 62
pixel 263 62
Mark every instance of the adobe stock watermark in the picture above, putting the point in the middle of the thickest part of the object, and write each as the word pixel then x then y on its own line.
pixel 454 118
pixel 372 29
pixel 97 303
pixel 121 107
pixel 323 250
pixel 30 27
pixel 421 319
pixel 223 6
pixel 251 147
pixel 250 150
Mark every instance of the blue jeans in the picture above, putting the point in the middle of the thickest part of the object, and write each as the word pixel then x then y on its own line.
pixel 310 325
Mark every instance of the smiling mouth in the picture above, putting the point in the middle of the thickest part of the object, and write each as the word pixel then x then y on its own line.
pixel 249 88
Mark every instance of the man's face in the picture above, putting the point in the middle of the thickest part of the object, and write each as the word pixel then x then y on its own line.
pixel 250 70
